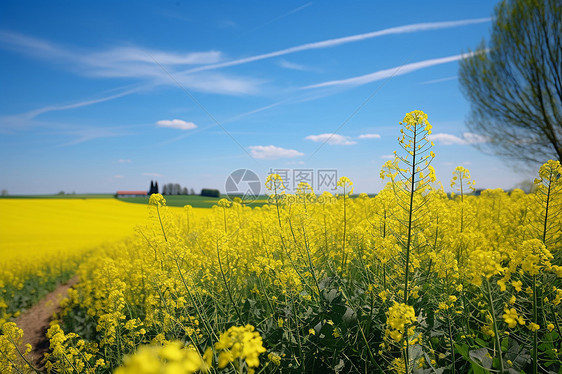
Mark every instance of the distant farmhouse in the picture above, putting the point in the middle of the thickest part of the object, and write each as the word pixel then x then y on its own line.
pixel 131 194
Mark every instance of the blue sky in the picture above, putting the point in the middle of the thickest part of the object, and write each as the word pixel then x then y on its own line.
pixel 104 96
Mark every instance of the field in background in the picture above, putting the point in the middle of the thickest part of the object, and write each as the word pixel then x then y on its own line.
pixel 35 226
pixel 42 241
pixel 195 201
pixel 66 196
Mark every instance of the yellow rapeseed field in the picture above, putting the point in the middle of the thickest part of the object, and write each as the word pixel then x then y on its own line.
pixel 411 281
pixel 42 241
pixel 30 227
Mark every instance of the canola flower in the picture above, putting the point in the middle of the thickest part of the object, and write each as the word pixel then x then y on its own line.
pixel 410 279
pixel 241 343
pixel 170 358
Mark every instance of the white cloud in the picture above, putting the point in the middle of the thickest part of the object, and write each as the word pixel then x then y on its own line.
pixel 176 124
pixel 124 161
pixel 135 54
pixel 450 163
pixel 472 138
pixel 369 136
pixel 52 108
pixel 392 72
pixel 387 157
pixel 146 65
pixel 118 177
pixel 293 66
pixel 348 39
pixel 152 175
pixel 272 152
pixel 446 139
pixel 450 139
pixel 331 139
pixel 440 80
pixel 110 57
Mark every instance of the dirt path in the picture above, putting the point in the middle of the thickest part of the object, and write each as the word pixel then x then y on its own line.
pixel 35 321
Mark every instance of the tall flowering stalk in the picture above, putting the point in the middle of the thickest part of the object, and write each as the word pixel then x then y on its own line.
pixel 549 200
pixel 411 175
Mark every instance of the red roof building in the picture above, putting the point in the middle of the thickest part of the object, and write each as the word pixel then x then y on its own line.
pixel 131 193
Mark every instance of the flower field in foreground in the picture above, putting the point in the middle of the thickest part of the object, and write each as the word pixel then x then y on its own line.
pixel 410 281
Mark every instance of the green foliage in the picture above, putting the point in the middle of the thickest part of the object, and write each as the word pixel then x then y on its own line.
pixel 514 84
pixel 210 192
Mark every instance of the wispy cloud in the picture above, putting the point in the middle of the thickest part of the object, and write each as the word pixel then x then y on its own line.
pixel 125 54
pixel 387 157
pixel 118 177
pixel 369 136
pixel 344 40
pixel 292 11
pixel 292 66
pixel 450 139
pixel 53 108
pixel 84 134
pixel 450 163
pixel 329 138
pixel 135 63
pixel 440 80
pixel 124 161
pixel 387 73
pixel 272 152
pixel 176 124
pixel 152 175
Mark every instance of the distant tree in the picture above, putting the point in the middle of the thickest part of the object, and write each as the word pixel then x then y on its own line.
pixel 514 84
pixel 61 192
pixel 527 186
pixel 177 189
pixel 184 191
pixel 5 193
pixel 156 187
pixel 151 189
pixel 192 192
pixel 165 189
pixel 210 192
pixel 171 189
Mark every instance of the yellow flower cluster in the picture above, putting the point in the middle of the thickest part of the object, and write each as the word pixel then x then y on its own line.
pixel 240 343
pixel 399 317
pixel 12 360
pixel 170 358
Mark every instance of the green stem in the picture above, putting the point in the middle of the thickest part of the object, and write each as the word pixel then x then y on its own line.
pixel 161 225
pixel 406 355
pixel 494 322
pixel 201 317
pixel 310 260
pixel 535 333
pixel 226 285
pixel 546 211
pixel 412 190
pixel 451 342
pixel 344 231
pixel 22 356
